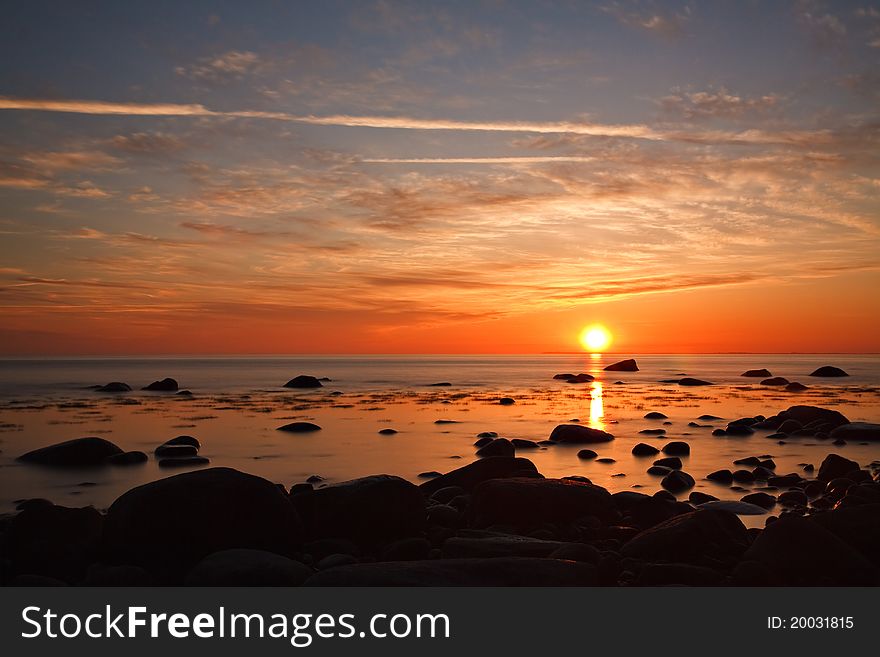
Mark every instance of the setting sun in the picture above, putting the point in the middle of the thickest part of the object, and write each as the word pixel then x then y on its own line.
pixel 595 338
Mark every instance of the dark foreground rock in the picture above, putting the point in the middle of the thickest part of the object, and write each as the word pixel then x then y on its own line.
pixel 828 371
pixel 690 381
pixel 512 571
pixel 858 526
pixel 169 525
pixel 165 385
pixel 575 434
pixel 304 381
pixel 857 432
pixel 628 365
pixel 242 567
pixel 493 467
pixel 815 417
pixel 370 511
pixel 697 538
pixel 758 374
pixel 78 452
pixel 115 386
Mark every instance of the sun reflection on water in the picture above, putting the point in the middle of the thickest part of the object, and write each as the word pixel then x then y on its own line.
pixel 597 411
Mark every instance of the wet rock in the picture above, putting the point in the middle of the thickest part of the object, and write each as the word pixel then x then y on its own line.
pixel 304 381
pixel 168 525
pixel 696 497
pixel 677 448
pixel 763 500
pixel 127 458
pixel 183 461
pixel 606 460
pixel 799 552
pixel 519 502
pixel 184 440
pixel 628 365
pixel 520 443
pixel 510 571
pixel 834 466
pixel 858 526
pixel 691 538
pixel 115 386
pixel 78 452
pixel 469 476
pixel 813 415
pixel 795 386
pixel 709 418
pixel 656 415
pixel 828 371
pixel 165 385
pixel 563 377
pixel 793 498
pixel 299 427
pixel 659 470
pixel 721 476
pixel 245 567
pixel 498 447
pixel 653 432
pixel 689 381
pixel 743 476
pixel 575 434
pixel 482 442
pixel 641 449
pixel 444 515
pixel 748 460
pixel 739 430
pixel 430 474
pixel 580 378
pixel 677 481
pixel 387 432
pixel 507 401
pixel 857 431
pixel 731 506
pixel 175 450
pixel 757 374
pixel 783 481
pixel 440 384
pixel 671 462
pixel 775 381
pixel 497 546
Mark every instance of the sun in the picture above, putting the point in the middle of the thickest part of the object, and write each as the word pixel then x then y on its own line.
pixel 595 338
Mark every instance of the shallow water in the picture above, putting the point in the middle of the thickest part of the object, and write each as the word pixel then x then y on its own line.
pixel 238 403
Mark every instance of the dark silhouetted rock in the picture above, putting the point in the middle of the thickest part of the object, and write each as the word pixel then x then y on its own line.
pixel 580 378
pixel 586 454
pixel 521 443
pixel 493 467
pixel 677 448
pixel 653 432
pixel 521 502
pixel 563 377
pixel 497 447
pixel 829 371
pixel 857 432
pixel 677 481
pixel 799 552
pixel 387 432
pixel 835 466
pixel 691 538
pixel 175 451
pixel 697 497
pixel 370 511
pixel 659 470
pixel 245 567
pixel 497 546
pixel 793 498
pixel 721 476
pixel 304 381
pixel 299 427
pixel 183 461
pixel 655 415
pixel 127 458
pixel 689 381
pixel 858 526
pixel 575 434
pixel 642 449
pixel 165 385
pixel 115 386
pixel 764 500
pixel 731 506
pixel 509 571
pixel 813 416
pixel 507 401
pixel 628 365
pixel 78 452
pixel 743 476
pixel 795 386
pixel 671 462
pixel 775 381
pixel 757 374
pixel 168 525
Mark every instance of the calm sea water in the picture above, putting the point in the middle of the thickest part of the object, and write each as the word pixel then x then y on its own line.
pixel 238 403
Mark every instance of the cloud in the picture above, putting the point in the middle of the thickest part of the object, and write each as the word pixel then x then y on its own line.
pixel 231 65
pixel 716 104
pixel 825 30
pixel 52 161
pixel 102 107
pixel 148 143
pixel 648 17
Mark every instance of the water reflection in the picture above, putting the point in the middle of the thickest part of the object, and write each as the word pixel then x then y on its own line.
pixel 597 411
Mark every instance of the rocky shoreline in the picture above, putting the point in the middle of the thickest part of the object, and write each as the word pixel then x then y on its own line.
pixel 494 522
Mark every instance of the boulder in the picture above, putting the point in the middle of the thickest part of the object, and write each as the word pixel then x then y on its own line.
pixel 114 386
pixel 763 500
pixel 795 386
pixel 370 511
pixel 775 381
pixel 304 381
pixel 696 497
pixel 586 454
pixel 641 449
pixel 580 378
pixel 799 552
pixel 808 415
pixel 168 525
pixel 299 427
pixel 656 415
pixel 509 571
pixel 691 538
pixel 521 502
pixel 671 462
pixel 79 452
pixel 757 374
pixel 184 440
pixel 175 451
pixel 731 506
pixel 677 481
pixel 245 567
pixel 721 476
pixel 493 467
pixel 628 365
pixel 507 401
pixel 677 448
pixel 459 547
pixel 828 371
pixel 497 447
pixel 127 458
pixel 183 461
pixel 835 466
pixel 576 434
pixel 857 432
pixel 522 443
pixel 165 385
pixel 689 381
pixel 858 526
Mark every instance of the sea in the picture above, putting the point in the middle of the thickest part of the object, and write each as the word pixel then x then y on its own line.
pixel 238 403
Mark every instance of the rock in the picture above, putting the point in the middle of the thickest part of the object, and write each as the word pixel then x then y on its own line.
pixel 696 497
pixel 691 538
pixel 406 549
pixel 743 476
pixel 469 476
pixel 834 466
pixel 165 385
pixel 793 498
pixel 78 452
pixel 520 502
pixel 115 386
pixel 575 434
pixel 739 430
pixel 304 381
pixel 677 481
pixel 678 574
pixel 655 415
pixel 370 511
pixel 387 432
pixel 659 470
pixel 783 481
pixel 857 431
pixel 168 525
pixel 497 546
pixel 482 442
pixel 858 526
pixel 641 449
pixel 795 386
pixel 677 448
pixel 510 571
pixel 184 440
pixel 498 447
pixel 671 462
pixel 643 511
pixel 299 427
pixel 748 460
pixel 653 432
pixel 763 500
pixel 606 460
pixel 775 381
pixel 586 454
pixel 444 495
pixel 709 418
pixel 245 567
pixel 521 443
pixel 444 515
pixel 175 450
pixel 487 434
pixel 580 378
pixel 440 384
pixel 628 365
pixel 788 426
pixel 430 474
pixel 335 561
pixel 721 476
pixel 688 381
pixel 807 415
pixel 127 458
pixel 507 401
pixel 563 377
pixel 799 552
pixel 758 374
pixel 183 461
pixel 828 371
pixel 53 541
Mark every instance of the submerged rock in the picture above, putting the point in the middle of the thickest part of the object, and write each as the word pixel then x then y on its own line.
pixel 586 454
pixel 304 381
pixel 828 371
pixel 775 381
pixel 628 365
pixel 656 415
pixel 689 381
pixel 823 419
pixel 758 374
pixel 78 452
pixel 577 434
pixel 115 386
pixel 795 386
pixel 507 401
pixel 299 427
pixel 165 385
